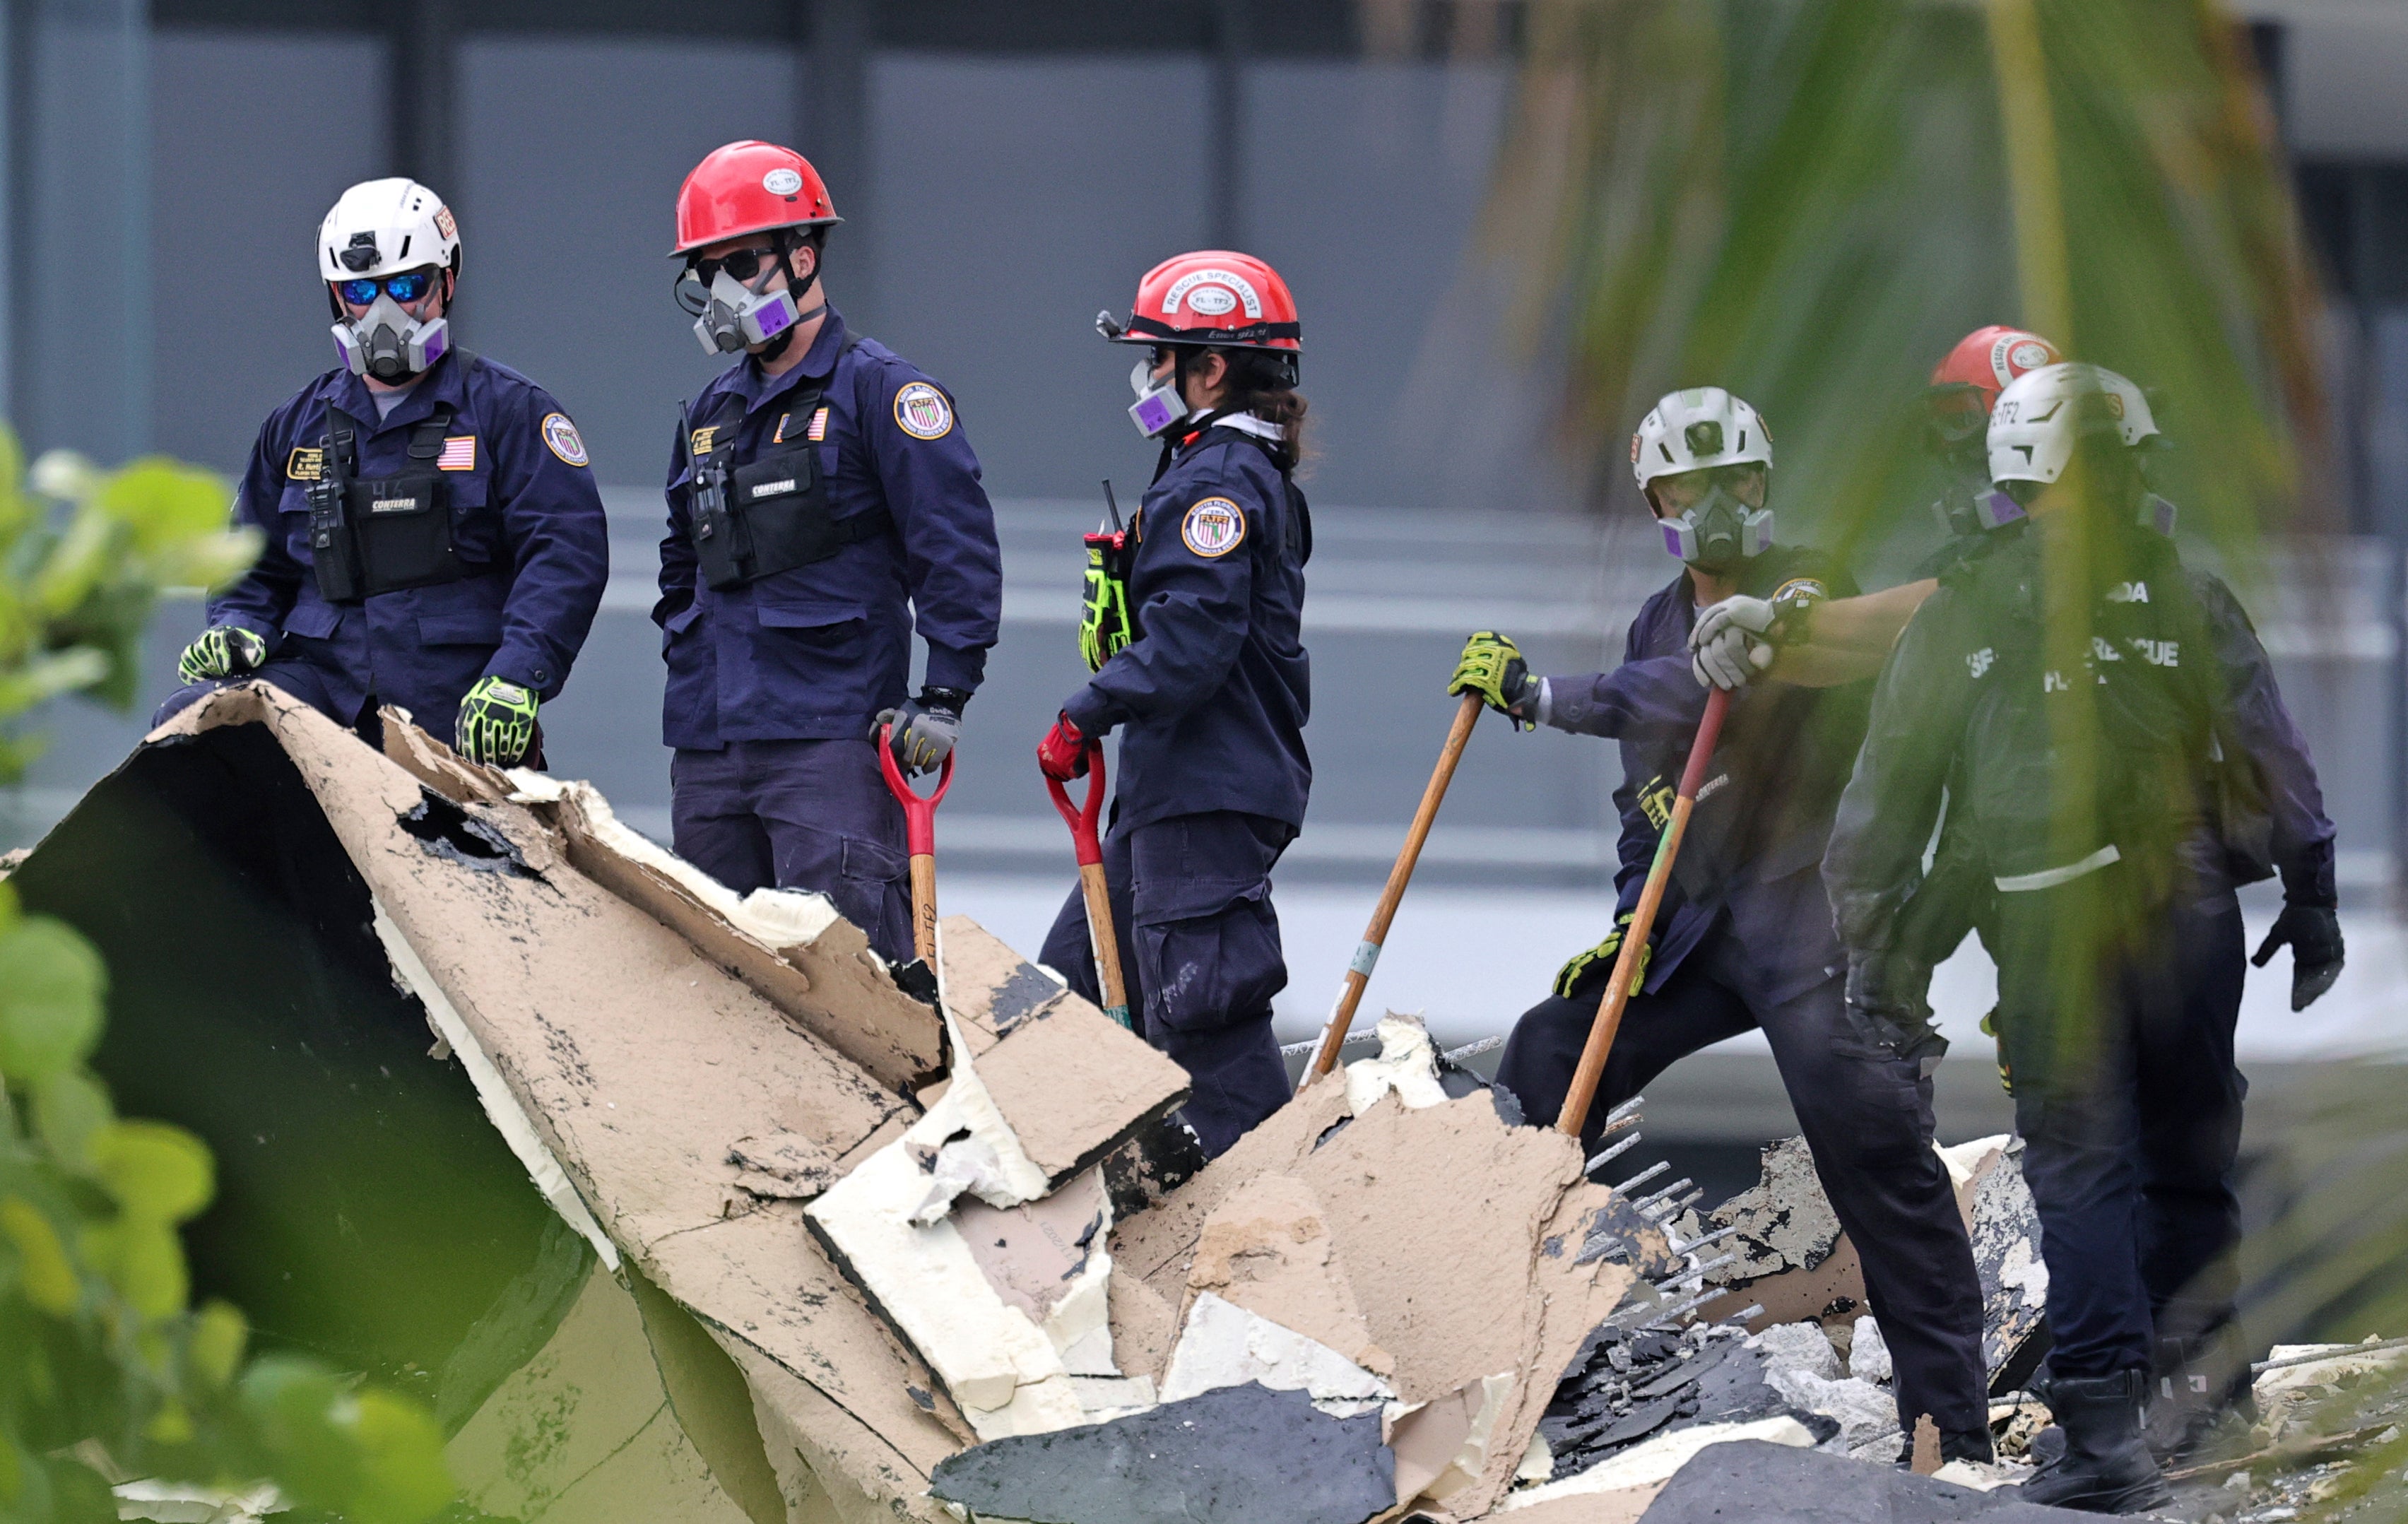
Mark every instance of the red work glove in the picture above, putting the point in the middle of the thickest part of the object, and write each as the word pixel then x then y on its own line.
pixel 1063 754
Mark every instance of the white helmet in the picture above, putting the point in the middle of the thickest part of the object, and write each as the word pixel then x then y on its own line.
pixel 1693 430
pixel 385 226
pixel 380 230
pixel 2043 414
pixel 1702 429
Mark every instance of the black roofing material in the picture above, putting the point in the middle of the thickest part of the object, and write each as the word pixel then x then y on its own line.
pixel 1774 1483
pixel 1245 1455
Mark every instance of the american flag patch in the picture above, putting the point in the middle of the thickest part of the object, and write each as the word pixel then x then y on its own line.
pixel 819 426
pixel 459 454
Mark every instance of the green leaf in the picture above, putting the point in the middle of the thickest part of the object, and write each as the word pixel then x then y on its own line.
pixel 290 1404
pixel 406 1480
pixel 144 1259
pixel 214 1350
pixel 70 1111
pixel 43 1269
pixel 158 1172
pixel 51 988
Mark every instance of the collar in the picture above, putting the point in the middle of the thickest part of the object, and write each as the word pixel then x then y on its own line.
pixel 1237 423
pixel 759 390
pixel 445 383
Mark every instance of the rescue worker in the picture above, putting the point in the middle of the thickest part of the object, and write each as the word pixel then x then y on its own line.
pixel 2271 819
pixel 1743 938
pixel 434 540
pixel 1210 690
pixel 822 502
pixel 2063 683
pixel 1847 638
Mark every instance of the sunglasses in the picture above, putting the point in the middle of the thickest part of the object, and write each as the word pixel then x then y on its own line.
pixel 742 265
pixel 410 286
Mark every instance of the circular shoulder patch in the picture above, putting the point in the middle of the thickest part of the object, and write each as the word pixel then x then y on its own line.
pixel 565 441
pixel 922 411
pixel 1213 527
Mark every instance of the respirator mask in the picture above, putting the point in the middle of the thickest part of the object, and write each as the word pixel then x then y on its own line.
pixel 732 310
pixel 1158 404
pixel 385 343
pixel 1719 530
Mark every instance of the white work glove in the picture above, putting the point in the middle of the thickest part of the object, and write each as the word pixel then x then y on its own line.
pixel 1728 647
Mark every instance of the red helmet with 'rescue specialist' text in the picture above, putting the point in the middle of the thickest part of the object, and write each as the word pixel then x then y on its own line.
pixel 749 187
pixel 1990 359
pixel 1215 296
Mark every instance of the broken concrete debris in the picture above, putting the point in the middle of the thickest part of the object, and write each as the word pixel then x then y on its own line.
pixel 893 1261
pixel 1627 1386
pixel 1224 1346
pixel 1792 1262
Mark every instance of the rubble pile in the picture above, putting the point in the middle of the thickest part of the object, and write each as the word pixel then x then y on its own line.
pixel 860 1258
pixel 2330 1434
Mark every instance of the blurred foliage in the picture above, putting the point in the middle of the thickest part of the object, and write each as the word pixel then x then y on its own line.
pixel 85 555
pixel 1810 201
pixel 105 1370
pixel 99 1344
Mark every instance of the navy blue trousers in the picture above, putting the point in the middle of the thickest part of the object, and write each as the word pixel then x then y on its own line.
pixel 2115 1019
pixel 1200 954
pixel 1867 1117
pixel 798 814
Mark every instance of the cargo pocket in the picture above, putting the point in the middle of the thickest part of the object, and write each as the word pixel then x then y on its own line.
pixel 678 624
pixel 1209 955
pixel 865 890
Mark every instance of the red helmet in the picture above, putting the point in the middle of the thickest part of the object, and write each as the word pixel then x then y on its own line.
pixel 1212 297
pixel 1987 359
pixel 749 187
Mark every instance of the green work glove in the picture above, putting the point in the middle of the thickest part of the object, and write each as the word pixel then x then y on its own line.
pixel 497 723
pixel 1491 667
pixel 1602 955
pixel 222 650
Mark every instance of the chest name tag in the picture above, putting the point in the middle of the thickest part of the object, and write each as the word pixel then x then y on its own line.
pixel 703 437
pixel 305 464
pixel 772 489
pixel 394 505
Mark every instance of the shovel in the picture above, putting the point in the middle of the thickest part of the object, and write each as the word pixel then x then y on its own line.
pixel 1643 921
pixel 1366 952
pixel 919 840
pixel 1089 845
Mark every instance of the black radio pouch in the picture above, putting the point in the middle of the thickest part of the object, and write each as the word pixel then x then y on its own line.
pixel 386 533
pixel 773 515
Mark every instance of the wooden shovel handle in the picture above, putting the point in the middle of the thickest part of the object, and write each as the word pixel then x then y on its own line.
pixel 1366 952
pixel 1642 922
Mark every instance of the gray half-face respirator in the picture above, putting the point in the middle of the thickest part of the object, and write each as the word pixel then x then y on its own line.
pixel 1158 404
pixel 1718 531
pixel 734 316
pixel 390 345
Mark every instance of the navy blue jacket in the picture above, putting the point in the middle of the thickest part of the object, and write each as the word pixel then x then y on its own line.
pixel 2259 722
pixel 523 502
pixel 1763 812
pixel 1216 686
pixel 815 652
